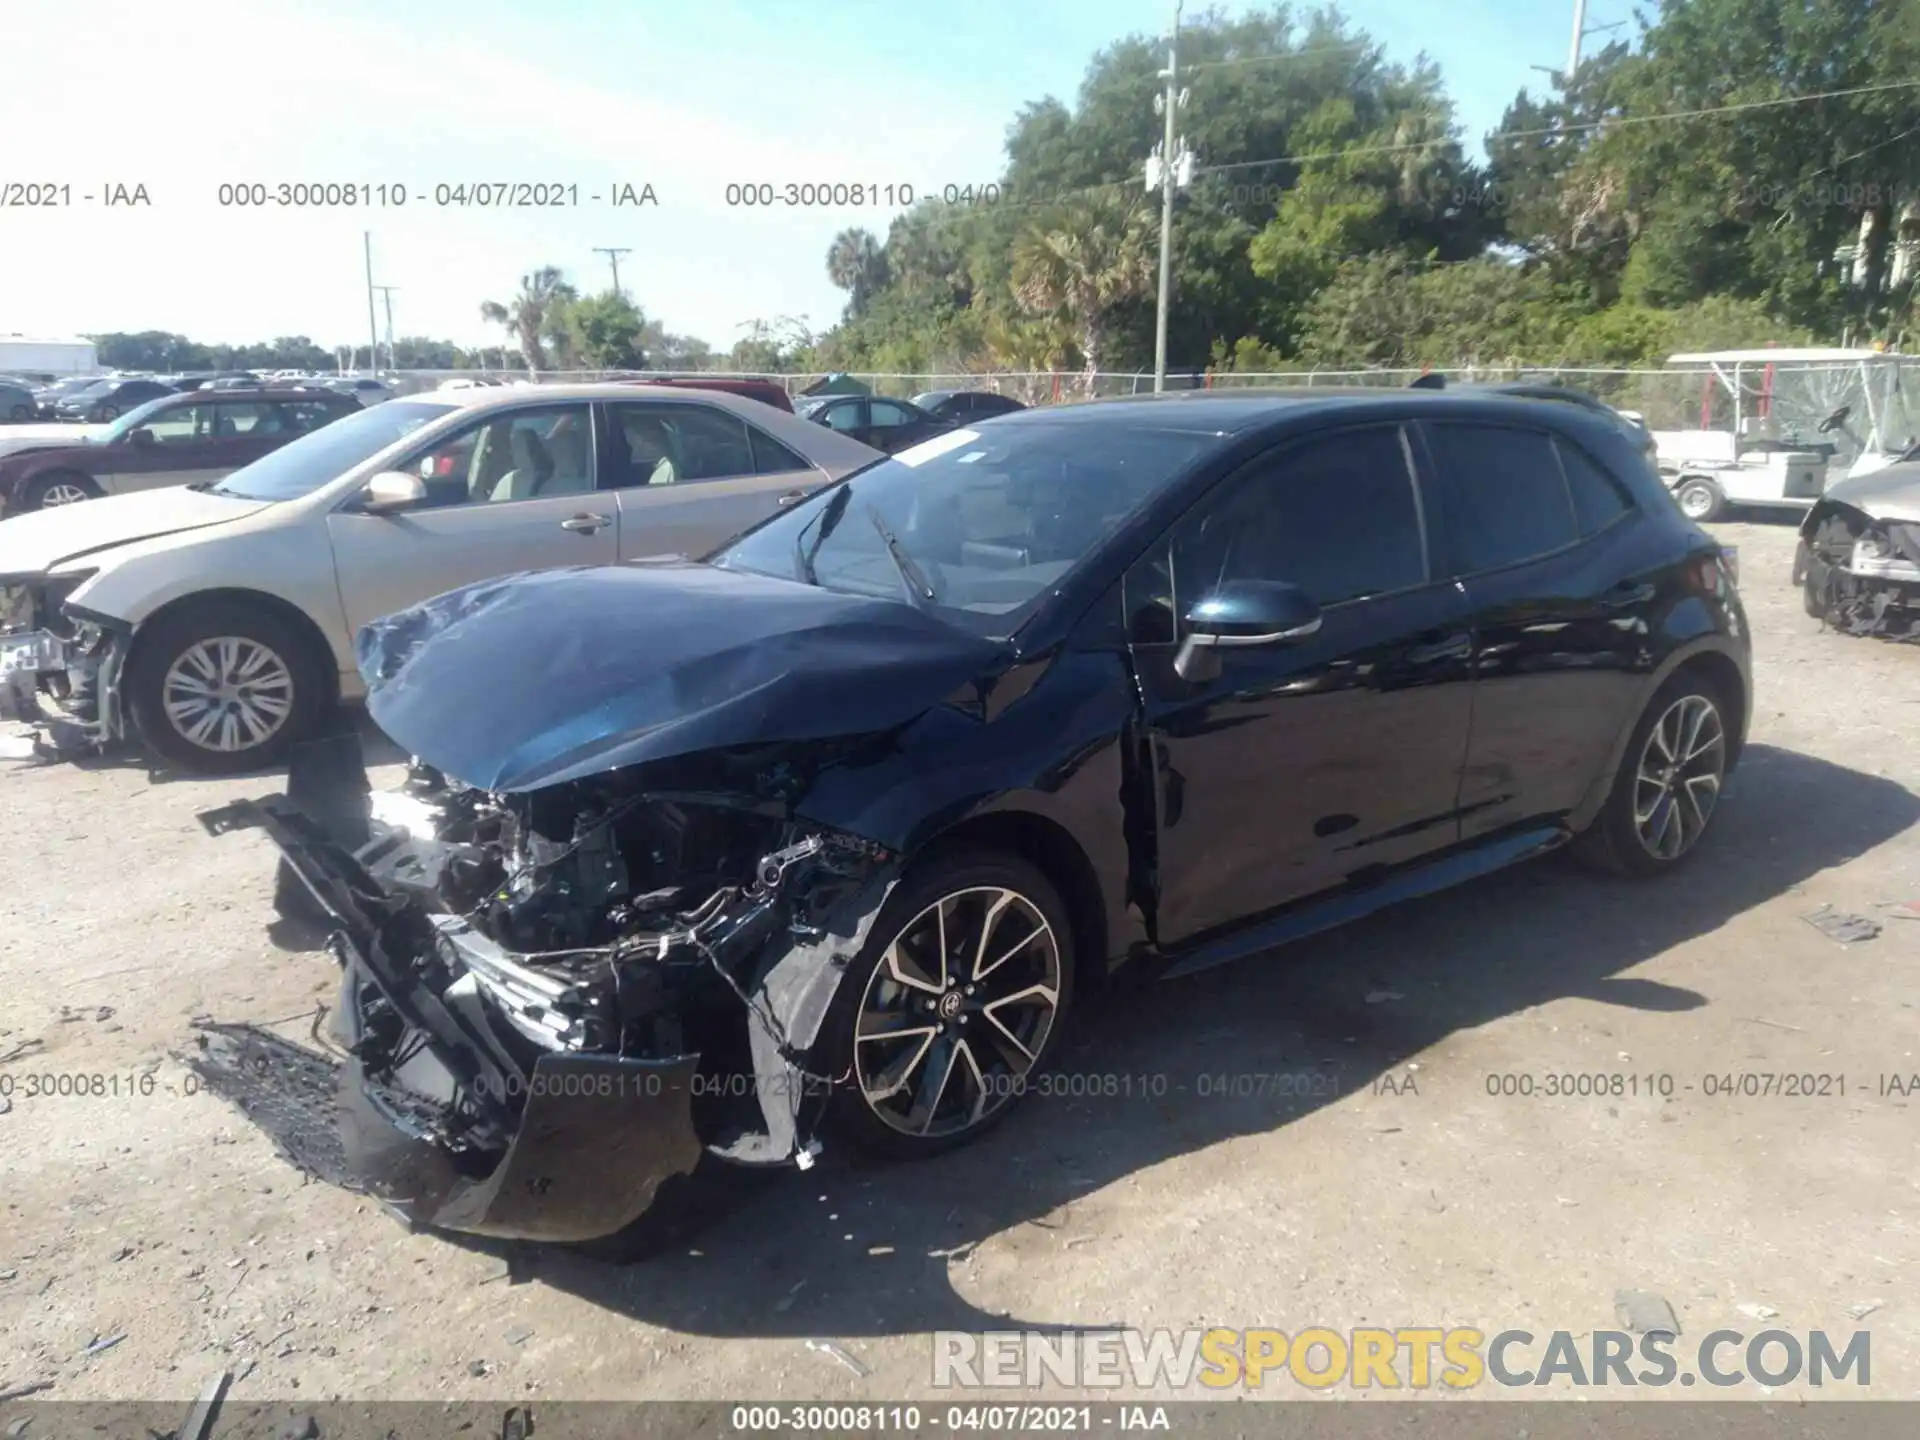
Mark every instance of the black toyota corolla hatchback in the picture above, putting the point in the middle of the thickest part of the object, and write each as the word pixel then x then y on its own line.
pixel 813 842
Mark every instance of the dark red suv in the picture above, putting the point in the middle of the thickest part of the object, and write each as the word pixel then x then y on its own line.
pixel 204 435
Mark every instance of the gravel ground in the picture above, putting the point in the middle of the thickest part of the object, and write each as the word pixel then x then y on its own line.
pixel 1411 1197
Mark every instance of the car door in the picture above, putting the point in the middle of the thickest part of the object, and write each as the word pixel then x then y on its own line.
pixel 689 476
pixel 174 446
pixel 244 430
pixel 513 491
pixel 894 427
pixel 1303 765
pixel 848 416
pixel 1560 602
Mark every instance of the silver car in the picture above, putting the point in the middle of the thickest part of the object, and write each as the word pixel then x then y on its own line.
pixel 216 623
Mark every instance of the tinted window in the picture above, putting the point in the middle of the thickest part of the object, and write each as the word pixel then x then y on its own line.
pixel 1507 496
pixel 1337 516
pixel 311 414
pixel 671 444
pixel 885 412
pixel 770 457
pixel 232 419
pixel 177 424
pixel 1598 498
pixel 842 417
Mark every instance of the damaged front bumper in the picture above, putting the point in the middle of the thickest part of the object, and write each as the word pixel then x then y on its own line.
pixel 65 682
pixel 501 1093
pixel 1863 575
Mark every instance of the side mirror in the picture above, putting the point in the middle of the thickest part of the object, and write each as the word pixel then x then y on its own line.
pixel 1243 612
pixel 141 438
pixel 391 491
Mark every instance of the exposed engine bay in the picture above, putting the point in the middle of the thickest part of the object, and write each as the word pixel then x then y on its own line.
pixel 1862 574
pixel 540 978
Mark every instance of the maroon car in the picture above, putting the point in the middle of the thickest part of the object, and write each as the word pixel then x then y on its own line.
pixel 204 435
pixel 767 392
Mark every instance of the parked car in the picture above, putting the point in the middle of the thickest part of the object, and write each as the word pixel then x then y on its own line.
pixel 767 392
pixel 216 623
pixel 191 439
pixel 108 399
pixel 1158 682
pixel 17 403
pixel 47 398
pixel 889 425
pixel 965 406
pixel 364 389
pixel 1858 559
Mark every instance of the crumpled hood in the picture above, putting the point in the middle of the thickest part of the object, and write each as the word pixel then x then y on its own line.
pixel 1889 494
pixel 33 543
pixel 541 678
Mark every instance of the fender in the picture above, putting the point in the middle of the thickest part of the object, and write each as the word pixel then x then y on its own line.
pixel 1584 814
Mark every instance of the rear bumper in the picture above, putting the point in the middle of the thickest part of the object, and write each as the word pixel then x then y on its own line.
pixel 459 1137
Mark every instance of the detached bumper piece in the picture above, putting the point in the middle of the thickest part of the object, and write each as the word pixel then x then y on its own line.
pixel 541 1096
pixel 67 687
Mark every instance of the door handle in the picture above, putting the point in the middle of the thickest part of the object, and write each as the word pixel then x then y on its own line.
pixel 586 524
pixel 793 497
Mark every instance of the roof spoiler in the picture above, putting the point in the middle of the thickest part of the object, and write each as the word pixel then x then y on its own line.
pixel 1432 380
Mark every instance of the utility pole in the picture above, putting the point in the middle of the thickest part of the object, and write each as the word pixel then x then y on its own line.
pixel 386 294
pixel 373 330
pixel 1579 34
pixel 1169 166
pixel 613 255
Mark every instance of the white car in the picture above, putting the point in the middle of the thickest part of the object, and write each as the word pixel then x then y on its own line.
pixel 215 623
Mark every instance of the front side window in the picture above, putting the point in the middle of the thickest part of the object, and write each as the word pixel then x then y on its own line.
pixel 886 414
pixel 232 419
pixel 1339 516
pixel 519 455
pixel 671 444
pixel 1506 492
pixel 179 424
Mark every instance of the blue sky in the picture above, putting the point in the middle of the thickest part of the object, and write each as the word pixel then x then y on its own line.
pixel 684 96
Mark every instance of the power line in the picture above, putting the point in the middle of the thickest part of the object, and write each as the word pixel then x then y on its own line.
pixel 1608 123
pixel 1279 55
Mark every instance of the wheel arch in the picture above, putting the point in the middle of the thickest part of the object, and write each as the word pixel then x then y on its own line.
pixel 1050 847
pixel 318 650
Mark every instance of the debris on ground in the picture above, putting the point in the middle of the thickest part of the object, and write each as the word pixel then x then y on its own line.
pixel 1900 909
pixel 32 1387
pixel 25 1047
pixel 287 1091
pixel 1860 1309
pixel 1842 925
pixel 478 1368
pixel 519 1335
pixel 100 1345
pixel 1645 1313
pixel 19 1427
pixel 1757 1312
pixel 827 1347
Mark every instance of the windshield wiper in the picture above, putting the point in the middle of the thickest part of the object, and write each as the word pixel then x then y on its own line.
pixel 828 517
pixel 918 586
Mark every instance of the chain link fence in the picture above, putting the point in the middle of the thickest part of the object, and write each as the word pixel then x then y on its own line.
pixel 1665 399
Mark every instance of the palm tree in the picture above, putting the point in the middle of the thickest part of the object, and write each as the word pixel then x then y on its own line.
pixel 534 314
pixel 1084 266
pixel 857 263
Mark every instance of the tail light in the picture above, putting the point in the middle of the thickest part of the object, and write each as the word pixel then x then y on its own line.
pixel 1717 573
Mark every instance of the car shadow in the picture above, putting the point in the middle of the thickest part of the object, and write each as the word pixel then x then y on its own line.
pixel 853 1249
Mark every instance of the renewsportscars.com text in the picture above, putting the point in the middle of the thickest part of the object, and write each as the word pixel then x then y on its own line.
pixel 1416 1357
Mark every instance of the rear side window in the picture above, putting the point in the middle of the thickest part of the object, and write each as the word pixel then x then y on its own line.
pixel 770 457
pixel 1507 497
pixel 1598 498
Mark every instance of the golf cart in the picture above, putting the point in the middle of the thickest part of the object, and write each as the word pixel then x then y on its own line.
pixel 1776 423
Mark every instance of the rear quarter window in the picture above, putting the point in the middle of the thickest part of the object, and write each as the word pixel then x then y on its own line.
pixel 1598 498
pixel 1507 495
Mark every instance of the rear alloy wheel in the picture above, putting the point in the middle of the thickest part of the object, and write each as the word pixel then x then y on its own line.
pixel 223 689
pixel 1700 500
pixel 104 413
pixel 1668 786
pixel 60 488
pixel 954 1007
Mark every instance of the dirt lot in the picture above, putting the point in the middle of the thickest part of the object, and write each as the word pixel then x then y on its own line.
pixel 166 1219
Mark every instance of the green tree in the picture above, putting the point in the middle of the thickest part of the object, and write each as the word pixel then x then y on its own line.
pixel 535 315
pixel 1085 264
pixel 606 332
pixel 857 263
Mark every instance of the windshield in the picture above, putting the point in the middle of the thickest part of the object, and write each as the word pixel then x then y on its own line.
pixel 329 452
pixel 977 525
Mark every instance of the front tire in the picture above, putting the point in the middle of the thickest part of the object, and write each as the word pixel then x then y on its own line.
pixel 1667 789
pixel 104 413
pixel 952 1009
pixel 224 688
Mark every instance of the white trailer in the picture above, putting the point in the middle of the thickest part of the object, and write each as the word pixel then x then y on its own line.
pixel 23 355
